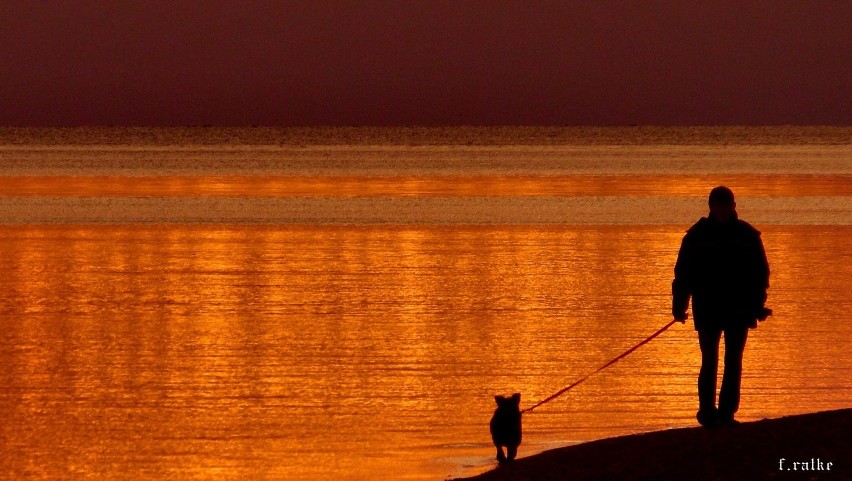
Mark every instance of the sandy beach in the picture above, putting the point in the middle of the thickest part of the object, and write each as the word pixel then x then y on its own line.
pixel 751 451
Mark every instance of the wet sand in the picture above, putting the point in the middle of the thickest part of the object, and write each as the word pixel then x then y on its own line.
pixel 750 451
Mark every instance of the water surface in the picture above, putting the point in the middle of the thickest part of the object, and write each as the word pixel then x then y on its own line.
pixel 242 314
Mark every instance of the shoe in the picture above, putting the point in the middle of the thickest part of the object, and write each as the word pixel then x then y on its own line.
pixel 708 419
pixel 728 421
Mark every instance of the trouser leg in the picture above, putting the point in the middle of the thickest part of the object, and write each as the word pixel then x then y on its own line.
pixel 511 452
pixel 708 340
pixel 500 456
pixel 729 396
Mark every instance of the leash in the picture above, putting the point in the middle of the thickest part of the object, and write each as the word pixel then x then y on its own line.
pixel 610 363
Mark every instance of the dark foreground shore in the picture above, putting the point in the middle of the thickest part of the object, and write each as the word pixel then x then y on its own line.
pixel 758 450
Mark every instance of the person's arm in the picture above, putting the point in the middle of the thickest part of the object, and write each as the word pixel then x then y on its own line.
pixel 761 280
pixel 681 286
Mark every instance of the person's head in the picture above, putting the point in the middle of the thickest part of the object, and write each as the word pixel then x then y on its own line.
pixel 722 205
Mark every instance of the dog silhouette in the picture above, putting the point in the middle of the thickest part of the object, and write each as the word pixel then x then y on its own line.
pixel 506 426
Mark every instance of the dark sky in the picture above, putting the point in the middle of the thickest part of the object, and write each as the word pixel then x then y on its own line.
pixel 406 62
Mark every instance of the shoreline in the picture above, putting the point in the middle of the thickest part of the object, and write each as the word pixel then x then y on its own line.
pixel 751 451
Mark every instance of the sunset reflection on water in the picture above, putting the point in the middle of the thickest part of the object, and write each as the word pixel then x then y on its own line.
pixel 296 352
pixel 423 185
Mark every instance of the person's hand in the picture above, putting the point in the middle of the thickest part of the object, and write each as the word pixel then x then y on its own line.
pixel 680 316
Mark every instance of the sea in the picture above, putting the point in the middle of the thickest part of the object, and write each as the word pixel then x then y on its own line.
pixel 345 303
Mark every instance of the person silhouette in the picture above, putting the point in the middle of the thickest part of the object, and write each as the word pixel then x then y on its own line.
pixel 722 266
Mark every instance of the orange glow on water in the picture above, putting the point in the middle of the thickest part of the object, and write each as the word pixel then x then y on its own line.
pixel 425 185
pixel 299 352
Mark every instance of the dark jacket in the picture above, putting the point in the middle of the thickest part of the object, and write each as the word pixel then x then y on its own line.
pixel 723 267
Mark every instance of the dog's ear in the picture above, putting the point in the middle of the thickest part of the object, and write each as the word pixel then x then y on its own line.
pixel 498 399
pixel 516 398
